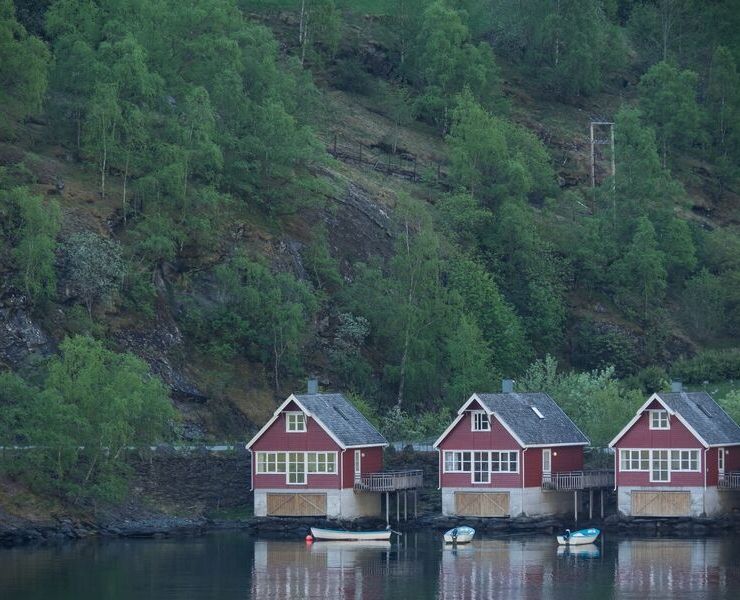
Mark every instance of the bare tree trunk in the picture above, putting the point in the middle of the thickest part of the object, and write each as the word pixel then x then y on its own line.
pixel 103 165
pixel 125 180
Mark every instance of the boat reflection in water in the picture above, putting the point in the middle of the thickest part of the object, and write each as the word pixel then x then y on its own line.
pixel 672 567
pixel 337 569
pixel 586 551
pixel 498 569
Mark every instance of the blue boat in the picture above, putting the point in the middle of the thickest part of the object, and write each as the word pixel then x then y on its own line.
pixel 578 538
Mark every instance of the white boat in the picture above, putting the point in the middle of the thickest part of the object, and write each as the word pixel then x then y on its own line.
pixel 347 536
pixel 578 538
pixel 460 535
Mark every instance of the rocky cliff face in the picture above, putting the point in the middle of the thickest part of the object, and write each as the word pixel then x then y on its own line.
pixel 22 339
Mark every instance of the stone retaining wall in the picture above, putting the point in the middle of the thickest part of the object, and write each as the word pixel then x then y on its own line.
pixel 198 480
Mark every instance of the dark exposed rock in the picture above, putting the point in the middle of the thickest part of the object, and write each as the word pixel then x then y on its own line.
pixel 156 344
pixel 20 336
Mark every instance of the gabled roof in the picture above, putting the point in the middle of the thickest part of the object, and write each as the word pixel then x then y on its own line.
pixel 699 412
pixel 516 412
pixel 334 414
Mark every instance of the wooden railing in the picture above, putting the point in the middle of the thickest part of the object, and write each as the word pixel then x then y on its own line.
pixel 389 481
pixel 729 481
pixel 577 480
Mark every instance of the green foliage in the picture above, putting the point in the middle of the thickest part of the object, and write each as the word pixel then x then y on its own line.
pixel 34 251
pixel 731 404
pixel 640 275
pixel 503 333
pixel 444 61
pixel 93 406
pixel 199 99
pixel 322 267
pixel 531 273
pixel 570 45
pixel 94 267
pixel 493 158
pixel 594 400
pixel 709 365
pixel 23 68
pixel 723 111
pixel 668 100
pixel 470 362
pixel 266 316
pixel 703 306
pixel 598 346
pixel 399 425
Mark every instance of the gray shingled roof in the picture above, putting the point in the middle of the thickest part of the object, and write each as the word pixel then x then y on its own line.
pixel 347 423
pixel 705 416
pixel 516 410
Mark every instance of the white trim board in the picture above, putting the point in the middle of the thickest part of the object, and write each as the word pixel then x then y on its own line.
pixel 642 409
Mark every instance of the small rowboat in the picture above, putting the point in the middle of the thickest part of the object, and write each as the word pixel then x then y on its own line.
pixel 341 534
pixel 459 535
pixel 578 538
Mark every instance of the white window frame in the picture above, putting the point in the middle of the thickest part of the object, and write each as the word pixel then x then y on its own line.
pixel 484 460
pixel 547 452
pixel 292 422
pixel 689 455
pixel 634 455
pixel 480 420
pixel 505 461
pixel 720 460
pixel 457 460
pixel 323 463
pixel 657 423
pixel 667 460
pixel 268 463
pixel 298 461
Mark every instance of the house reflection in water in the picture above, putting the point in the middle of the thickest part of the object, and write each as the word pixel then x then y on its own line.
pixel 351 570
pixel 670 567
pixel 498 569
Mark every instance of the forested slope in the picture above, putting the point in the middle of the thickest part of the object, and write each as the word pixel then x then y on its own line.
pixel 394 196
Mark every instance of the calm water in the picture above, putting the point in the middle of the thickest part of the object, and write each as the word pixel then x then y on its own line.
pixel 231 565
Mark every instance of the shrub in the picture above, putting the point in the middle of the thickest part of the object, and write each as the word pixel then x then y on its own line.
pixel 709 365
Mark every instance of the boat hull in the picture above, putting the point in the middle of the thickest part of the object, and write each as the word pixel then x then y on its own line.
pixel 579 538
pixel 464 535
pixel 349 536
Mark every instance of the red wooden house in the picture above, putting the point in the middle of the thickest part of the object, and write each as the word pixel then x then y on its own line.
pixel 318 455
pixel 505 453
pixel 678 456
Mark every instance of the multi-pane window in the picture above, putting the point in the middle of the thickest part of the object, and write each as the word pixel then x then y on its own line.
pixel 296 467
pixel 659 467
pixel 321 462
pixel 721 460
pixel 296 464
pixel 659 419
pixel 481 421
pixel 684 460
pixel 295 421
pixel 635 460
pixel 270 462
pixel 481 470
pixel 457 461
pixel 505 462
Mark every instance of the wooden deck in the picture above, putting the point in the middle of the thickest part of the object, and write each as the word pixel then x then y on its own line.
pixel 389 481
pixel 578 480
pixel 729 481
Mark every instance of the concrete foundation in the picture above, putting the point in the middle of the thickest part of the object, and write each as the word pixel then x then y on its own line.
pixel 340 504
pixel 528 501
pixel 710 502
